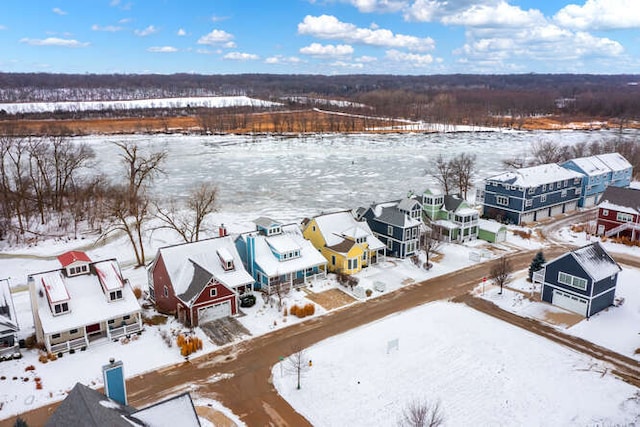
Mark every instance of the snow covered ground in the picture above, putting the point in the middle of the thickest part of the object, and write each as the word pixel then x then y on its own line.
pixel 482 371
pixel 136 104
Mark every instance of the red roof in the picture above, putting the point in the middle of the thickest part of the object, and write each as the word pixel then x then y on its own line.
pixel 70 257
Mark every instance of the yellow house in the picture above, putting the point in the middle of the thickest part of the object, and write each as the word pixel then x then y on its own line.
pixel 347 244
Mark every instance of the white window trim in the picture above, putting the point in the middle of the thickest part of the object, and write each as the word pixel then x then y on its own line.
pixel 572 281
pixel 502 200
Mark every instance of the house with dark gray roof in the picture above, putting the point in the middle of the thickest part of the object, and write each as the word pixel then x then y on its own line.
pixel 582 281
pixel 449 216
pixel 397 224
pixel 619 213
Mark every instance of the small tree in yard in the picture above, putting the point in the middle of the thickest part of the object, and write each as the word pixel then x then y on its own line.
pixel 420 413
pixel 500 273
pixel 536 264
pixel 298 362
pixel 429 243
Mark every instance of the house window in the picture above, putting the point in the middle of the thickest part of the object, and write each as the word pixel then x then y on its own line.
pixel 55 336
pixel 564 193
pixel 127 317
pixel 364 257
pixel 390 244
pixel 352 264
pixel 333 260
pixel 566 182
pixel 110 321
pixel 407 234
pixel 115 295
pixel 165 292
pixel 605 212
pixel 73 331
pixel 624 217
pixel 502 200
pixel 528 203
pixel 414 233
pixel 389 230
pixel 573 281
pixel 543 198
pixel 544 187
pixel 576 181
pixel 313 228
pixel 61 308
pixel 578 191
pixel 532 190
pixel 213 292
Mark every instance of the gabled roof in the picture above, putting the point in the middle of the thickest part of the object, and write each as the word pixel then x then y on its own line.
pixel 594 260
pixel 621 199
pixel 109 275
pixel 86 407
pixel 176 411
pixel 342 247
pixel 536 175
pixel 195 279
pixel 334 226
pixel 395 212
pixel 601 163
pixel 70 257
pixel 615 161
pixel 408 204
pixel 452 202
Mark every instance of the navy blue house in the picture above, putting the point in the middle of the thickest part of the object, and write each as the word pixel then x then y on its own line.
pixel 530 194
pixel 583 281
pixel 396 224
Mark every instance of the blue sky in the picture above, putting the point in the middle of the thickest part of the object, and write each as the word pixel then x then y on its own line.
pixel 320 36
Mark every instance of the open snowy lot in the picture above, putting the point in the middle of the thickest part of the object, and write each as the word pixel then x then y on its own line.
pixel 482 371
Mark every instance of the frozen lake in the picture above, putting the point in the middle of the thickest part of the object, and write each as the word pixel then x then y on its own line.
pixel 284 177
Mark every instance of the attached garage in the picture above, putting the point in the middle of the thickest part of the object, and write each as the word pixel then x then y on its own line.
pixel 556 210
pixel 590 201
pixel 214 311
pixel 541 214
pixel 570 302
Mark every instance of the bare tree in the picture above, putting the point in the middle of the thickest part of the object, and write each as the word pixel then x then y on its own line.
pixel 429 243
pixel 440 169
pixel 421 413
pixel 544 152
pixel 298 362
pixel 500 273
pixel 463 168
pixel 189 223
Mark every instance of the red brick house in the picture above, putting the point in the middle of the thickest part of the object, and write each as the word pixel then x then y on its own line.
pixel 619 213
pixel 198 281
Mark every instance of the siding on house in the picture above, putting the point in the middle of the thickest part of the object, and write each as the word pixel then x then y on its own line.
pixel 619 213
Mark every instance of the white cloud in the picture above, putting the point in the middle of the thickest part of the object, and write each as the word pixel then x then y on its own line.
pixel 181 32
pixel 316 49
pixel 114 3
pixel 500 15
pixel 280 59
pixel 381 6
pixel 329 27
pixel 241 56
pixel 434 10
pixel 343 64
pixel 107 28
pixel 215 18
pixel 230 45
pixel 146 32
pixel 215 37
pixel 600 15
pixel 59 11
pixel 162 49
pixel 124 21
pixel 366 59
pixel 412 59
pixel 54 41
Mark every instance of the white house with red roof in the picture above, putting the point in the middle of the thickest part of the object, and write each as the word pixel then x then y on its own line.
pixel 81 302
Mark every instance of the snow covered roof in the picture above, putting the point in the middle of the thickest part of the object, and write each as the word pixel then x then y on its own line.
pixel 615 161
pixel 54 287
pixel 71 257
pixel 601 164
pixel 179 261
pixel 490 226
pixel 334 226
pixel 446 224
pixel 8 319
pixel 283 243
pixel 467 212
pixel 175 411
pixel 596 261
pixel 408 204
pixel 272 266
pixel 621 200
pixel 536 175
pixel 87 302
pixel 109 275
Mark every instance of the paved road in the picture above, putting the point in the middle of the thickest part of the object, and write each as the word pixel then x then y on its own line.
pixel 239 376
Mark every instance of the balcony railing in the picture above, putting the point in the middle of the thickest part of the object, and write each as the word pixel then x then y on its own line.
pixel 124 330
pixel 75 344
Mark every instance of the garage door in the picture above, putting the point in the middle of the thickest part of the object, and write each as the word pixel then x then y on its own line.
pixel 528 217
pixel 542 214
pixel 590 201
pixel 214 312
pixel 570 207
pixel 556 210
pixel 570 302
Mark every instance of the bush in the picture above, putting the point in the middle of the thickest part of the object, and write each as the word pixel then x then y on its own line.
pixel 294 310
pixel 309 309
pixel 30 368
pixel 524 234
pixel 137 292
pixel 155 320
pixel 368 292
pixel 30 342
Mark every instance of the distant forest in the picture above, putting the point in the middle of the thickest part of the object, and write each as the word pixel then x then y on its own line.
pixel 471 99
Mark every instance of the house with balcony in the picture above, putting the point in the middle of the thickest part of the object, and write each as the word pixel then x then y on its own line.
pixel 619 213
pixel 278 257
pixel 582 281
pixel 199 281
pixel 396 224
pixel 449 216
pixel 8 323
pixel 600 171
pixel 81 302
pixel 348 245
pixel 530 194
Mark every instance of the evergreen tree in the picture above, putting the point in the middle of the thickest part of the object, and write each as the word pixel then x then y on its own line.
pixel 536 264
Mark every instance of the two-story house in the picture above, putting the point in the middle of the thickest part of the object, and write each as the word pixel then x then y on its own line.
pixel 600 172
pixel 82 301
pixel 396 224
pixel 619 213
pixel 583 280
pixel 8 323
pixel 278 257
pixel 449 216
pixel 199 281
pixel 531 194
pixel 347 245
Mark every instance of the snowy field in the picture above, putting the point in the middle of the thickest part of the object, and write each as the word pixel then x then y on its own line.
pixel 136 104
pixel 484 372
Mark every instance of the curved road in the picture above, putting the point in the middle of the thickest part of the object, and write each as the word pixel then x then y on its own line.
pixel 239 375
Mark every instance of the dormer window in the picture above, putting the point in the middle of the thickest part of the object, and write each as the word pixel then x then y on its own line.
pixel 115 295
pixel 361 240
pixel 226 259
pixel 61 308
pixel 80 269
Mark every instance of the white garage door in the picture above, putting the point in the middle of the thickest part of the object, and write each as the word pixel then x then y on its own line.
pixel 556 210
pixel 570 302
pixel 589 201
pixel 542 214
pixel 527 217
pixel 570 207
pixel 501 236
pixel 214 312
